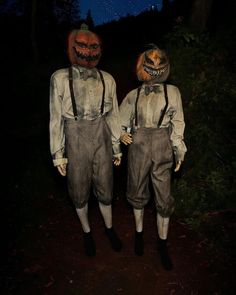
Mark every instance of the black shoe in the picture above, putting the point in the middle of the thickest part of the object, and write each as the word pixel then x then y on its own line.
pixel 138 243
pixel 89 245
pixel 164 255
pixel 116 243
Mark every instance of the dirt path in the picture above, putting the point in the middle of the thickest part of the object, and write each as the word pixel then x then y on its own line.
pixel 42 242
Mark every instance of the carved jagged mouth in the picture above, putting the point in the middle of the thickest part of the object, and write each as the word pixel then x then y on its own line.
pixel 154 73
pixel 87 57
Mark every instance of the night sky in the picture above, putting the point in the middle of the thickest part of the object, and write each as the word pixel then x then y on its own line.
pixel 106 10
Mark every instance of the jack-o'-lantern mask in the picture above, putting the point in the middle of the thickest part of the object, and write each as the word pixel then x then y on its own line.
pixel 84 48
pixel 153 66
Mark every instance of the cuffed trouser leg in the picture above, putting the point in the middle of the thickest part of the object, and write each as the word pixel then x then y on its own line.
pixel 162 161
pixel 89 152
pixel 150 154
pixel 139 165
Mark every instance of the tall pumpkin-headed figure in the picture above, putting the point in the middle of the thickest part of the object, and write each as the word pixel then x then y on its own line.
pixel 85 130
pixel 153 125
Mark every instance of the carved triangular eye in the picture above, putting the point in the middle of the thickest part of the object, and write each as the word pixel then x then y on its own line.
pixel 81 44
pixel 94 46
pixel 163 61
pixel 148 60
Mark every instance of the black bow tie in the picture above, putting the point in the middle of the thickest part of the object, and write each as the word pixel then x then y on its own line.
pixel 85 74
pixel 151 88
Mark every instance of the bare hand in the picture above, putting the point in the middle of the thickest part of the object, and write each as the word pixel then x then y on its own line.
pixel 177 167
pixel 126 138
pixel 62 169
pixel 117 161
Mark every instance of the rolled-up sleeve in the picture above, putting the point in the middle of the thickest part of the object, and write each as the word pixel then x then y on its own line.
pixel 56 124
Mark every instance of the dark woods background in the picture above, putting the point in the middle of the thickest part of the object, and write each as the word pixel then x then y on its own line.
pixel 199 36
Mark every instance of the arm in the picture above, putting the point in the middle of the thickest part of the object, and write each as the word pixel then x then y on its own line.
pixel 126 114
pixel 113 121
pixel 56 128
pixel 177 131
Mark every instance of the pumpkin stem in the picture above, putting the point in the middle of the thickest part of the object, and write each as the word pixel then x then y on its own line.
pixel 84 27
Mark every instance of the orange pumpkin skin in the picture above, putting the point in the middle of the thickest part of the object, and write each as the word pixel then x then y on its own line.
pixel 84 48
pixel 153 66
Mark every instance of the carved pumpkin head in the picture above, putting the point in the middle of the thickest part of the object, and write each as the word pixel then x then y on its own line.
pixel 84 47
pixel 153 66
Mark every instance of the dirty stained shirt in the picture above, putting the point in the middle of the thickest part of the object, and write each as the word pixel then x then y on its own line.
pixel 149 110
pixel 88 97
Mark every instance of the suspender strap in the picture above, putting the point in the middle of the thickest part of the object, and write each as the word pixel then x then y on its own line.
pixel 165 108
pixel 72 93
pixel 136 108
pixel 103 92
pixel 162 113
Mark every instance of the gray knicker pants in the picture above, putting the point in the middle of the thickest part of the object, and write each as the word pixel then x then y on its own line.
pixel 89 153
pixel 150 156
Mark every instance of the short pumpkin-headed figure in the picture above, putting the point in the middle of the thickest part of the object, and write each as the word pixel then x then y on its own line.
pixel 85 130
pixel 153 125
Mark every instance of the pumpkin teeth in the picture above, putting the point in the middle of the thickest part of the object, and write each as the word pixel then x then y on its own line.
pixel 153 72
pixel 88 58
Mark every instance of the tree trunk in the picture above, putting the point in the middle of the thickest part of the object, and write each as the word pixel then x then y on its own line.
pixel 33 31
pixel 200 14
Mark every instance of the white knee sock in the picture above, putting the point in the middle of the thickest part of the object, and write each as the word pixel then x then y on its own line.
pixel 106 211
pixel 83 217
pixel 162 226
pixel 138 216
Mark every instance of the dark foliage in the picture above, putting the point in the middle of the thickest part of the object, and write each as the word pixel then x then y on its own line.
pixel 207 85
